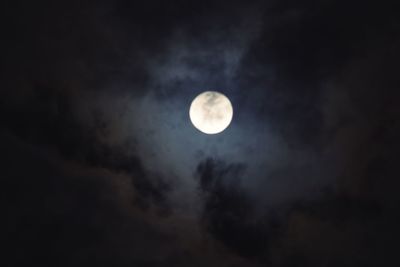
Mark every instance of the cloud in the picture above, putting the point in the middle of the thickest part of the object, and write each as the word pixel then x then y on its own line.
pixel 48 118
pixel 65 214
pixel 228 211
pixel 102 164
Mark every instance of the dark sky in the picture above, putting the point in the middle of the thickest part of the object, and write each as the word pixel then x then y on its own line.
pixel 101 166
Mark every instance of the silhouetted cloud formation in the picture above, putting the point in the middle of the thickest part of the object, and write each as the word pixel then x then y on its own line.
pixel 227 211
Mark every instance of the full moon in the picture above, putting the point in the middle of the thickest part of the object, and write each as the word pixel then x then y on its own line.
pixel 211 112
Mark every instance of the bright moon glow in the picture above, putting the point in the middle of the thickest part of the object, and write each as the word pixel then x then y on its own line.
pixel 211 112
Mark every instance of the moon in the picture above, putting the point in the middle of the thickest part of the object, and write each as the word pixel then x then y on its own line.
pixel 211 112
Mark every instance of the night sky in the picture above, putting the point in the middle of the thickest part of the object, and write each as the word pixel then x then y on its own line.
pixel 101 166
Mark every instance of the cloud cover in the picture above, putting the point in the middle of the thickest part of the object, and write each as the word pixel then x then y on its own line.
pixel 102 166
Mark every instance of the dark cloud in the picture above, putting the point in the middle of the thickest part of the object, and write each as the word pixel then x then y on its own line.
pixel 339 230
pixel 228 212
pixel 334 225
pixel 301 47
pixel 48 118
pixel 58 216
pixel 101 166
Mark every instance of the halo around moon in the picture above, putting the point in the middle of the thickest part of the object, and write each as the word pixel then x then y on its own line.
pixel 211 112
